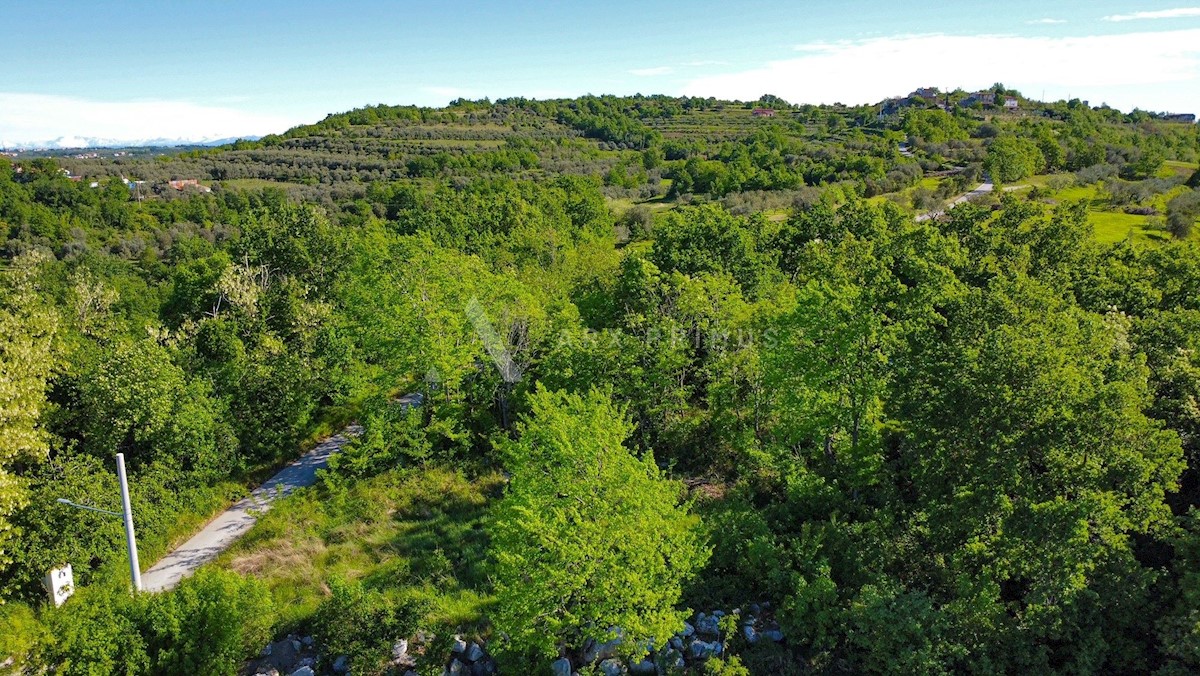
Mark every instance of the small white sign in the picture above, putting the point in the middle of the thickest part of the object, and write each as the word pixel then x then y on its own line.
pixel 60 584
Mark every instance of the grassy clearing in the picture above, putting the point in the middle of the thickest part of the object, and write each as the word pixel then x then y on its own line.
pixel 1175 168
pixel 904 198
pixel 1114 226
pixel 257 184
pixel 620 206
pixel 1111 224
pixel 930 182
pixel 412 533
pixel 1076 193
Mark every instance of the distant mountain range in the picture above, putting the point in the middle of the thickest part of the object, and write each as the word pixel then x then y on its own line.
pixel 84 142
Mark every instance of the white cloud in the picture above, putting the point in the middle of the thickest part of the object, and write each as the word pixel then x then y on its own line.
pixel 1045 22
pixel 1152 69
pixel 702 63
pixel 1179 13
pixel 40 119
pixel 651 72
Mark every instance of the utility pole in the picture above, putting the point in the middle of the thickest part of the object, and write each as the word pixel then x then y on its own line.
pixel 126 513
pixel 135 571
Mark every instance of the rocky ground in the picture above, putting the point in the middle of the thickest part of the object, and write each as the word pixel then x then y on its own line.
pixel 703 637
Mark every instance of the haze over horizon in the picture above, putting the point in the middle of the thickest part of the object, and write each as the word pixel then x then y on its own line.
pixel 186 72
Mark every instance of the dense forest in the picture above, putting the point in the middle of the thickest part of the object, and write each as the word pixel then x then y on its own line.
pixel 675 354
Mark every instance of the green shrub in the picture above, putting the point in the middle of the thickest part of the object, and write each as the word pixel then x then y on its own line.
pixel 20 633
pixel 209 624
pixel 361 624
pixel 96 633
pixel 393 435
pixel 729 666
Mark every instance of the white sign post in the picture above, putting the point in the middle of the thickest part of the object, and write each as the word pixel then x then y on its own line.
pixel 60 584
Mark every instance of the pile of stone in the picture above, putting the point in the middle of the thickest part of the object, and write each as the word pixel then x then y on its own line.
pixel 700 639
pixel 467 658
pixel 293 655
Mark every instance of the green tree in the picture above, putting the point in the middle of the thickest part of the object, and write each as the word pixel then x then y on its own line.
pixel 27 359
pixel 589 538
pixel 1011 158
pixel 136 400
pixel 1035 468
pixel 710 239
pixel 1052 151
pixel 1182 212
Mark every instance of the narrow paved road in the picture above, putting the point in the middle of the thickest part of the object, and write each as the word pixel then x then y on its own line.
pixel 981 189
pixel 233 523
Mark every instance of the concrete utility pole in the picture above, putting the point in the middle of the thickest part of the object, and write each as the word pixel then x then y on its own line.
pixel 135 571
pixel 126 513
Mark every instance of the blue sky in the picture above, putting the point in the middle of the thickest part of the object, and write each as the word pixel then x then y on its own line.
pixel 223 68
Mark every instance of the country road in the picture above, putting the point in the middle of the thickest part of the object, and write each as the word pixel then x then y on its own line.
pixel 233 523
pixel 980 190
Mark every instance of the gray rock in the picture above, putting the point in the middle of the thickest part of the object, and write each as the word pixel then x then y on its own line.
pixel 307 661
pixel 411 672
pixel 485 667
pixel 561 667
pixel 601 651
pixel 459 647
pixel 688 630
pixel 474 652
pixel 456 668
pixel 676 643
pixel 702 650
pixel 708 626
pixel 755 609
pixel 612 667
pixel 643 668
pixel 283 655
pixel 750 634
pixel 718 614
pixel 266 651
pixel 303 671
pixel 342 664
pixel 399 649
pixel 773 635
pixel 306 640
pixel 267 671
